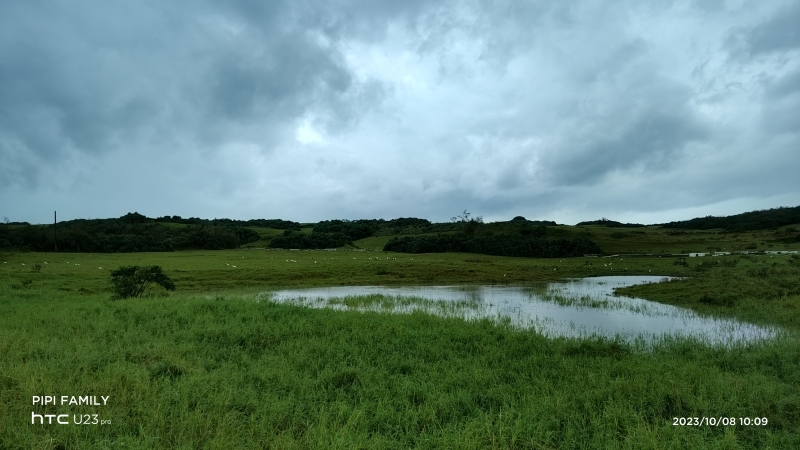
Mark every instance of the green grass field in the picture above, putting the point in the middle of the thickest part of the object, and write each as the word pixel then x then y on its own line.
pixel 207 366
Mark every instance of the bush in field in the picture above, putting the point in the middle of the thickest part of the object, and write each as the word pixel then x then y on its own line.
pixel 133 281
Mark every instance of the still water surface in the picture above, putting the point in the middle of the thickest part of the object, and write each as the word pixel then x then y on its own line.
pixel 577 308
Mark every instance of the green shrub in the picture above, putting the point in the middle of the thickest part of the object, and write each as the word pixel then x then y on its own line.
pixel 133 281
pixel 499 245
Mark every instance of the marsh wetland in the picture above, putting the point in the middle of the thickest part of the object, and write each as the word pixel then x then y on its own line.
pixel 581 308
pixel 369 349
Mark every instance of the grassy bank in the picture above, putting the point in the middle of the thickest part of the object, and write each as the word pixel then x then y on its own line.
pixel 234 270
pixel 210 367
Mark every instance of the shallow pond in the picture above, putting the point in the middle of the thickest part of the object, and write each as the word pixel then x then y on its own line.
pixel 577 308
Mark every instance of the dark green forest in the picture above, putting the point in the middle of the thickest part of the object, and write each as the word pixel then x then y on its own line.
pixel 132 232
pixel 497 245
pixel 337 233
pixel 610 223
pixel 750 221
pixel 135 232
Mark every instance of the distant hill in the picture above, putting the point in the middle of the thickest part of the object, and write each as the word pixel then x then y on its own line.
pixel 749 221
pixel 132 232
pixel 611 223
pixel 135 232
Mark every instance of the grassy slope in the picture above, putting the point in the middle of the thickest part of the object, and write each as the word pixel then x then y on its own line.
pixel 210 367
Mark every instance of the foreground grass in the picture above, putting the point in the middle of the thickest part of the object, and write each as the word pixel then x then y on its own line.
pixel 191 372
pixel 212 368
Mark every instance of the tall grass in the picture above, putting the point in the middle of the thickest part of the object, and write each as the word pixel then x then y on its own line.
pixel 230 372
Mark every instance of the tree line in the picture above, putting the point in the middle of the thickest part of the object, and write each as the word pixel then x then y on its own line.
pixel 749 221
pixel 135 232
pixel 610 223
pixel 123 235
pixel 497 245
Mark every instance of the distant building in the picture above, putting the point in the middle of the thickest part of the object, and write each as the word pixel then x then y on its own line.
pixel 697 254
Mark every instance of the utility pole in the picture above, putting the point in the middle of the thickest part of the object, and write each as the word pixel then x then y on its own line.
pixel 55 231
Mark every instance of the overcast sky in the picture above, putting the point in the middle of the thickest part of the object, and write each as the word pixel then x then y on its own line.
pixel 568 111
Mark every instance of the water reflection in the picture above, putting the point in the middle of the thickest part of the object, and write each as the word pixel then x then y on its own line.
pixel 577 308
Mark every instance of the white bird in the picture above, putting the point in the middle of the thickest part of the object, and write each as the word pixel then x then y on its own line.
pixel 227 264
pixel 233 267
pixel 46 262
pixel 23 264
pixel 100 268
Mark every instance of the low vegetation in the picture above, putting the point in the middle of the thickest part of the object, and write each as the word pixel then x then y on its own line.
pixel 134 281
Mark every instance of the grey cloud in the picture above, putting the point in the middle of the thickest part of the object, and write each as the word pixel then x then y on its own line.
pixel 196 74
pixel 292 75
pixel 781 112
pixel 785 86
pixel 780 33
pixel 654 139
pixel 408 108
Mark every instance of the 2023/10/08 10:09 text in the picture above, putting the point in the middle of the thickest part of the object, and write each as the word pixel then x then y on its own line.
pixel 719 421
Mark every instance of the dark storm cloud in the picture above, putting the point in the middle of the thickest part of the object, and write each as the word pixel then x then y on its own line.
pixel 96 77
pixel 313 110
